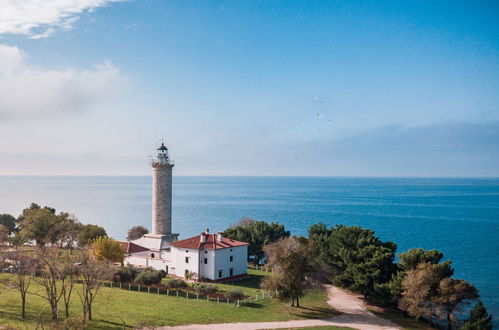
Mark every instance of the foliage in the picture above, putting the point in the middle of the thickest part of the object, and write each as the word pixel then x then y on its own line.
pixel 88 233
pixel 234 294
pixel 205 289
pixel 40 224
pixel 358 259
pixel 125 274
pixel 391 292
pixel 452 295
pixel 290 261
pixel 136 232
pixel 9 222
pixel 176 283
pixel 149 277
pixel 479 319
pixel 257 234
pixel 105 248
pixel 430 293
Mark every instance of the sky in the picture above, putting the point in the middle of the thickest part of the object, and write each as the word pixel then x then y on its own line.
pixel 306 88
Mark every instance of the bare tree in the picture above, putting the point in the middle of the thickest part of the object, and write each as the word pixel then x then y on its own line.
pixel 92 273
pixel 51 274
pixel 23 266
pixel 69 275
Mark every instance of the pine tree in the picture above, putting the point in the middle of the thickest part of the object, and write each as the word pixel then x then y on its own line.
pixel 479 319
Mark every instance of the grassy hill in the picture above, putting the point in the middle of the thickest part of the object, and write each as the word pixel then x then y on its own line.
pixel 114 307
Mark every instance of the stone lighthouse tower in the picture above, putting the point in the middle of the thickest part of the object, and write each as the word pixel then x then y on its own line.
pixel 161 232
pixel 162 167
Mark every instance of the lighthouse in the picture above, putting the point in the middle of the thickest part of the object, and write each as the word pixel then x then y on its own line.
pixel 162 167
pixel 161 228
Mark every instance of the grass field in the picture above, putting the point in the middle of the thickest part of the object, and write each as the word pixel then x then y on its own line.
pixel 406 323
pixel 114 307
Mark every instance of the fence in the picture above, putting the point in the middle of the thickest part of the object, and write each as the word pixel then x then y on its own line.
pixel 218 298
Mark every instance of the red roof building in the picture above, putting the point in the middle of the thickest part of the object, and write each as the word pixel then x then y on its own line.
pixel 208 242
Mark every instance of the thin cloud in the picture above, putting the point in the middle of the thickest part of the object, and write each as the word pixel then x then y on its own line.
pixel 40 18
pixel 28 92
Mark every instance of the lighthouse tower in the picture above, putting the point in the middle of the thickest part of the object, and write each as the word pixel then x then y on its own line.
pixel 162 167
pixel 161 232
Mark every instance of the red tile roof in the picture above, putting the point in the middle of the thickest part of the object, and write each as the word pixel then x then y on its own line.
pixel 211 242
pixel 130 247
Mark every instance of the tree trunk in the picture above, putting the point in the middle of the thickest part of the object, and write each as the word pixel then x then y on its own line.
pixel 54 312
pixel 66 306
pixel 297 301
pixel 23 308
pixel 449 326
pixel 292 301
pixel 90 312
pixel 365 294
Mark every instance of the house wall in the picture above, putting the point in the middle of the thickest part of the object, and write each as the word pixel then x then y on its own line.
pixel 223 263
pixel 207 270
pixel 144 262
pixel 178 264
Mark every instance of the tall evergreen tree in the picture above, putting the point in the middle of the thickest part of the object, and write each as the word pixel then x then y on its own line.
pixel 479 319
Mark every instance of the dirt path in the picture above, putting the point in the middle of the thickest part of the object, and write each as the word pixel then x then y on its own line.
pixel 355 315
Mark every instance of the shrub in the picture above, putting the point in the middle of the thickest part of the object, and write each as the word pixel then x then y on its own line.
pixel 235 294
pixel 125 274
pixel 206 289
pixel 148 277
pixel 176 283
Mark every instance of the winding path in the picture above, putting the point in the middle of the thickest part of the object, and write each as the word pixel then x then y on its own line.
pixel 354 315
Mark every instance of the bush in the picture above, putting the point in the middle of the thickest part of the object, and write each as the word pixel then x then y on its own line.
pixel 125 274
pixel 148 277
pixel 176 283
pixel 235 294
pixel 206 289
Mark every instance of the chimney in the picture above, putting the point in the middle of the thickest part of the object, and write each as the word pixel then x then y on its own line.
pixel 207 231
pixel 219 236
pixel 203 238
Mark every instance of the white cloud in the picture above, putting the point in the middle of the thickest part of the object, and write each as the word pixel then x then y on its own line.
pixel 40 18
pixel 30 92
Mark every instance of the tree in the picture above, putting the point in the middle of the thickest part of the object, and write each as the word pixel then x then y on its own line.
pixel 257 234
pixel 452 295
pixel 92 273
pixel 9 222
pixel 40 225
pixel 49 279
pixel 88 233
pixel 105 248
pixel 479 319
pixel 23 267
pixel 4 235
pixel 359 260
pixel 69 231
pixel 289 259
pixel 391 292
pixel 69 273
pixel 420 287
pixel 136 232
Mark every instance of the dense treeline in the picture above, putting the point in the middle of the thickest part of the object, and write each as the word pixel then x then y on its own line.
pixel 420 284
pixel 42 226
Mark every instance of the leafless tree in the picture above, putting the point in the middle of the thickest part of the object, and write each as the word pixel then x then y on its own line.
pixel 69 275
pixel 92 273
pixel 51 273
pixel 23 267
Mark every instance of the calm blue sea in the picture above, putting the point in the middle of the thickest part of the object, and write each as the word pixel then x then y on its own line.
pixel 457 216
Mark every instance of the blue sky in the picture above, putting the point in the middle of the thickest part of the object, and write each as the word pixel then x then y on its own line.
pixel 339 88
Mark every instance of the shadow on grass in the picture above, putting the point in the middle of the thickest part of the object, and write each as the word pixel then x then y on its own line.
pixel 253 281
pixel 313 313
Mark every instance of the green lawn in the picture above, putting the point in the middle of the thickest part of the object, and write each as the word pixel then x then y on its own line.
pixel 114 306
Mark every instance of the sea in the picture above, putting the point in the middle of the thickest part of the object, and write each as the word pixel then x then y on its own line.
pixel 458 216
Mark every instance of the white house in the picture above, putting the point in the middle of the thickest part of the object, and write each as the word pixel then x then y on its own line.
pixel 206 256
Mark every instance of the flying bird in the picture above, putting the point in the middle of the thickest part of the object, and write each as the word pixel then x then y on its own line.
pixel 319 115
pixel 321 102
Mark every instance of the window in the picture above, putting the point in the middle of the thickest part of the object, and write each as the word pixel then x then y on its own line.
pixel 205 261
pixel 205 251
pixel 230 250
pixel 186 273
pixel 152 255
pixel 186 251
pixel 186 260
pixel 231 271
pixel 231 258
pixel 220 272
